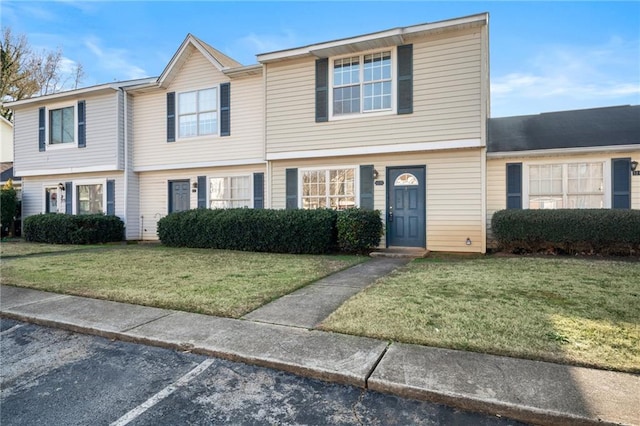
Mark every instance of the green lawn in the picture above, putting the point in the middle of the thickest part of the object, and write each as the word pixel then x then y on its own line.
pixel 576 311
pixel 216 282
pixel 15 247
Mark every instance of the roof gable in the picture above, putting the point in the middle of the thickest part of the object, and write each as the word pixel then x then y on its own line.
pixel 218 59
pixel 608 126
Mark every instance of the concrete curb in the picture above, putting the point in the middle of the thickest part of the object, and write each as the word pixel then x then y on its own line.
pixel 528 391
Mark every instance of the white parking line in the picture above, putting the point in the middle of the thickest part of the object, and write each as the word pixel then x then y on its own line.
pixel 136 412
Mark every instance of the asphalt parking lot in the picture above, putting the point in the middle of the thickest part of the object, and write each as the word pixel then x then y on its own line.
pixel 55 377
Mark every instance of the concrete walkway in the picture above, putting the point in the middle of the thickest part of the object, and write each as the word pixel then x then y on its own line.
pixel 530 391
pixel 308 306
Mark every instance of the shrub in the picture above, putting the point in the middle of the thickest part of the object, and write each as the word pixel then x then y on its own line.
pixel 67 229
pixel 263 230
pixel 569 231
pixel 358 230
pixel 8 208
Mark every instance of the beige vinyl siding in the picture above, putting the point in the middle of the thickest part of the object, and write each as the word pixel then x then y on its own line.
pixel 103 138
pixel 154 192
pixel 447 101
pixel 33 195
pixel 151 148
pixel 497 183
pixel 453 191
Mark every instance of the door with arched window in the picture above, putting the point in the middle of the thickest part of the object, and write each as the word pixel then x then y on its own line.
pixel 406 207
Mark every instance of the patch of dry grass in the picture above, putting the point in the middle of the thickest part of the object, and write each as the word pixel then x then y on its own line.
pixel 584 312
pixel 215 282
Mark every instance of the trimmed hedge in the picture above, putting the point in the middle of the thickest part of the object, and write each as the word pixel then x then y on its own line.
pixel 571 231
pixel 56 228
pixel 358 230
pixel 261 230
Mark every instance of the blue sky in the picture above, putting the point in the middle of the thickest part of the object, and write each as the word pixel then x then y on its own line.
pixel 545 56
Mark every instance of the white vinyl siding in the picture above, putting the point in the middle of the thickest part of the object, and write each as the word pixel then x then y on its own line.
pixel 447 87
pixel 453 191
pixel 104 139
pixel 34 192
pixel 247 121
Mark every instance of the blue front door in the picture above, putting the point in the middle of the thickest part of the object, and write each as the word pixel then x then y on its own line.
pixel 406 208
pixel 179 195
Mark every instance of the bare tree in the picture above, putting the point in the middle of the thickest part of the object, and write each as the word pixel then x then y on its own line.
pixel 25 73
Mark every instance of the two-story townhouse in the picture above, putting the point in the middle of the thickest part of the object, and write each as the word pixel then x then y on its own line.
pixel 198 135
pixel 566 159
pixel 69 149
pixel 394 121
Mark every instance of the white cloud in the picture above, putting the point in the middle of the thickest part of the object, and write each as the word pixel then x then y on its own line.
pixel 114 60
pixel 565 77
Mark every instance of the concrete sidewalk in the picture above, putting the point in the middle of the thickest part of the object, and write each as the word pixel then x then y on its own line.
pixel 530 391
pixel 310 305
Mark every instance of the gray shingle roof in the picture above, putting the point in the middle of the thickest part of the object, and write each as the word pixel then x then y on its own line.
pixel 618 125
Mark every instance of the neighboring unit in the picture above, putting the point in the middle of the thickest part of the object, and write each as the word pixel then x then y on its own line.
pixel 568 159
pixel 198 136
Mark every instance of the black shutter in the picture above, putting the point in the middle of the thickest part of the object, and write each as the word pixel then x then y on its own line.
pixel 405 79
pixel 292 188
pixel 514 185
pixel 322 90
pixel 46 200
pixel 171 117
pixel 258 190
pixel 68 197
pixel 111 197
pixel 621 188
pixel 366 187
pixel 225 109
pixel 82 127
pixel 41 130
pixel 202 192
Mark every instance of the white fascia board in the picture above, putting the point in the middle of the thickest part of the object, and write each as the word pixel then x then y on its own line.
pixel 68 170
pixel 564 151
pixel 380 149
pixel 176 59
pixel 394 34
pixel 203 165
pixel 62 95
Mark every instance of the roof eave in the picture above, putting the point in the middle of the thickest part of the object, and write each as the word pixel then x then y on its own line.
pixel 380 39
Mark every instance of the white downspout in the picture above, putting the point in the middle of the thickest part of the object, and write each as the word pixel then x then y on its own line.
pixel 126 161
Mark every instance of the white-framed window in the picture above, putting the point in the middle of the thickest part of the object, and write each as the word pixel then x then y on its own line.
pixel 62 125
pixel 579 185
pixel 198 113
pixel 362 84
pixel 230 192
pixel 90 196
pixel 333 188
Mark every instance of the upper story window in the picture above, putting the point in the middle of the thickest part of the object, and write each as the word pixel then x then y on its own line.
pixel 62 125
pixel 198 113
pixel 362 83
